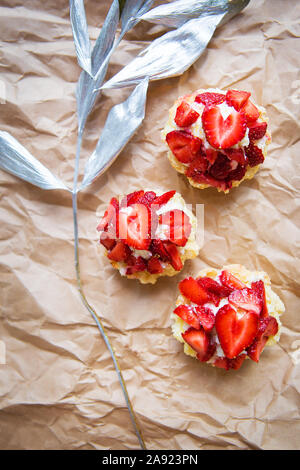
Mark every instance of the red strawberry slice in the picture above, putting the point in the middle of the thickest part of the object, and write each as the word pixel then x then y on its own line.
pixel 187 313
pixel 259 288
pixel 250 111
pixel 185 115
pixel 200 342
pixel 235 332
pixel 237 174
pixel 211 155
pixel 237 98
pixel 183 145
pixel 246 299
pixel 174 255
pixel 163 199
pixel 179 226
pixel 110 215
pixel 237 362
pixel 138 265
pixel 205 317
pixel 107 241
pixel 209 99
pixel 254 154
pixel 220 133
pixel 267 326
pixel 192 290
pixel 222 363
pixel 120 252
pixel 147 198
pixel 225 363
pixel 257 130
pixel 237 155
pixel 221 168
pixel 229 280
pixel 134 226
pixel 199 177
pixel 158 248
pixel 131 198
pixel 213 287
pixel 154 266
pixel 199 165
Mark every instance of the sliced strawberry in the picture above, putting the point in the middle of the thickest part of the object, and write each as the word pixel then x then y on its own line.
pixel 179 226
pixel 134 226
pixel 222 363
pixel 225 363
pixel 200 342
pixel 185 115
pixel 213 287
pixel 139 265
pixel 183 145
pixel 199 177
pixel 221 168
pixel 210 352
pixel 267 327
pixel 237 174
pixel 120 252
pixel 199 165
pixel 154 266
pixel 192 290
pixel 110 215
pixel 254 154
pixel 174 255
pixel 237 155
pixel 257 130
pixel 259 288
pixel 251 112
pixel 229 280
pixel 107 241
pixel 206 317
pixel 147 198
pixel 235 332
pixel 237 98
pixel 220 133
pixel 187 313
pixel 237 361
pixel 211 155
pixel 246 299
pixel 163 199
pixel 131 198
pixel 158 248
pixel 209 98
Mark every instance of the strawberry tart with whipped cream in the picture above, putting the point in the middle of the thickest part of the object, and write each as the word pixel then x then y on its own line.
pixel 217 138
pixel 226 316
pixel 147 235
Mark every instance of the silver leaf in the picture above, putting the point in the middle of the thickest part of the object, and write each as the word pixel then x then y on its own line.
pixel 15 159
pixel 170 54
pixel 122 122
pixel 132 11
pixel 175 14
pixel 85 94
pixel 81 35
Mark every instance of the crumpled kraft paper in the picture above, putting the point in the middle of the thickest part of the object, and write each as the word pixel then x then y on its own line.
pixel 58 386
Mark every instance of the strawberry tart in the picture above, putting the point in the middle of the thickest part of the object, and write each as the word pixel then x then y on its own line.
pixel 147 235
pixel 226 316
pixel 217 138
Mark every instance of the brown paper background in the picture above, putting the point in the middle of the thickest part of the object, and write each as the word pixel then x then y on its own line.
pixel 59 388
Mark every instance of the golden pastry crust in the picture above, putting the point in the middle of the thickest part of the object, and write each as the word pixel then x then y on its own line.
pixel 181 167
pixel 274 303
